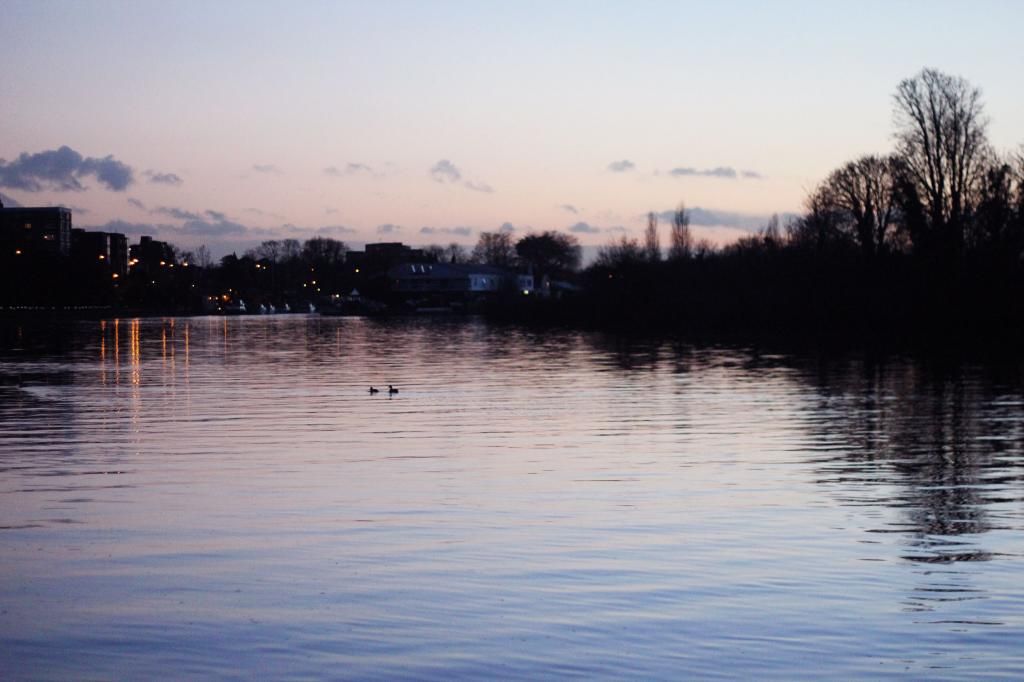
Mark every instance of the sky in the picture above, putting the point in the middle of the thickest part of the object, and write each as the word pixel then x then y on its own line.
pixel 228 123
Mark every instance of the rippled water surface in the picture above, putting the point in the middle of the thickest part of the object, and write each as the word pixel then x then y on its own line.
pixel 210 497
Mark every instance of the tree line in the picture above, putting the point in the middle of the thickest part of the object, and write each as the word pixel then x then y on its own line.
pixel 927 236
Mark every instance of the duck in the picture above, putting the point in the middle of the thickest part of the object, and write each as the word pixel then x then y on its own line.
pixel 392 390
pixel 374 390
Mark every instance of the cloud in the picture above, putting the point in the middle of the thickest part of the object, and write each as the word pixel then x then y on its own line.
pixel 330 211
pixel 109 171
pixel 60 169
pixel 164 178
pixel 724 172
pixel 176 213
pixel 478 187
pixel 128 228
pixel 714 218
pixel 349 169
pixel 507 228
pixel 569 208
pixel 719 172
pixel 136 203
pixel 623 166
pixel 334 229
pixel 445 171
pixel 8 201
pixel 457 231
pixel 618 229
pixel 388 229
pixel 267 168
pixel 216 215
pixel 215 228
pixel 584 228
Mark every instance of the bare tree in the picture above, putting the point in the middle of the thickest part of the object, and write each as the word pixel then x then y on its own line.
pixel 682 239
pixel 624 252
pixel 652 243
pixel 269 250
pixel 858 201
pixel 434 253
pixel 942 140
pixel 203 258
pixel 455 253
pixel 290 249
pixel 495 248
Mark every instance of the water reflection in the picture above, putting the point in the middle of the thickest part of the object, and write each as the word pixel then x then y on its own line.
pixel 566 501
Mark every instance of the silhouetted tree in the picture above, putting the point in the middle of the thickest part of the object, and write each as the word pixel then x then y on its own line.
pixel 652 243
pixel 941 139
pixel 290 249
pixel 681 238
pixel 324 252
pixel 434 253
pixel 267 250
pixel 625 251
pixel 203 258
pixel 858 202
pixel 495 248
pixel 455 253
pixel 550 253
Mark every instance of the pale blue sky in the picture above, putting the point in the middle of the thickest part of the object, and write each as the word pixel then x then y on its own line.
pixel 249 103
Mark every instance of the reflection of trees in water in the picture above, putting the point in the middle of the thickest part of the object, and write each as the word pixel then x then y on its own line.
pixel 945 439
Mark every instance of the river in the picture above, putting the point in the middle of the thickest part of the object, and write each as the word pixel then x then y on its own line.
pixel 223 498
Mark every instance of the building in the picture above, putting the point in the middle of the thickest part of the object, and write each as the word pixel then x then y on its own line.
pixel 106 249
pixel 35 232
pixel 381 256
pixel 150 254
pixel 465 279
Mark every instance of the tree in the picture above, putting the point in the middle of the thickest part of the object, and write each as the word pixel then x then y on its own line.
pixel 550 253
pixel 324 251
pixel 203 258
pixel 269 250
pixel 455 253
pixel 681 237
pixel 434 253
pixel 652 243
pixel 858 201
pixel 290 249
pixel 624 252
pixel 941 138
pixel 495 248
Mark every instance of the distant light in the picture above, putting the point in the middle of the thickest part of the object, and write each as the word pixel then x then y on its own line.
pixel 115 275
pixel 17 252
pixel 526 292
pixel 184 264
pixel 163 263
pixel 102 256
pixel 357 270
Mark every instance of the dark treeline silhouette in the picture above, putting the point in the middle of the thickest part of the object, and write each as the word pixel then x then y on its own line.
pixel 928 239
pixel 925 242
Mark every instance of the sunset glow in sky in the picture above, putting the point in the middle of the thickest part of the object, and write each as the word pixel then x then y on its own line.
pixel 227 123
